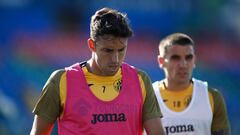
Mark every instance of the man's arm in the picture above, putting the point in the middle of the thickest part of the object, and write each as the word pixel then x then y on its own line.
pixel 153 126
pixel 48 108
pixel 41 127
pixel 221 132
pixel 151 111
pixel 220 123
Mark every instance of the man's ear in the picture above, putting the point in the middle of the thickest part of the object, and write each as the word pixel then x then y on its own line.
pixel 160 61
pixel 91 45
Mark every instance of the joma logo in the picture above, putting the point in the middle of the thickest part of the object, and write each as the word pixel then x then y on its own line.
pixel 108 118
pixel 179 129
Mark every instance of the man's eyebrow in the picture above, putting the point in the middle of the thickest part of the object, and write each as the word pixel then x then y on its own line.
pixel 122 42
pixel 121 49
pixel 175 55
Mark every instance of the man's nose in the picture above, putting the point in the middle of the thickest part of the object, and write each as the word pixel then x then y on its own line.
pixel 115 57
pixel 183 63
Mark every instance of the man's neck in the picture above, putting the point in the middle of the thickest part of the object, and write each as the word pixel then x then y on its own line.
pixel 90 66
pixel 175 86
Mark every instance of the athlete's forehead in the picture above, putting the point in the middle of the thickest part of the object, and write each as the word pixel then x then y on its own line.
pixel 109 40
pixel 179 50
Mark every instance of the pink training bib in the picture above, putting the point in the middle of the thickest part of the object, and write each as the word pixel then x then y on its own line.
pixel 85 114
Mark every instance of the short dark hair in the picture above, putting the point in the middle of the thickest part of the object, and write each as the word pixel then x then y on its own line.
pixel 175 39
pixel 107 21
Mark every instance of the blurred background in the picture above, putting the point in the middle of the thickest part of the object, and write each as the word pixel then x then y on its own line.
pixel 40 36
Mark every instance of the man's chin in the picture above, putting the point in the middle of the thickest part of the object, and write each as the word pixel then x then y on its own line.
pixel 184 80
pixel 111 72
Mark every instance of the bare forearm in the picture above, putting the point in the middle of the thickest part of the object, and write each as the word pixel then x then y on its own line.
pixel 41 127
pixel 221 132
pixel 154 127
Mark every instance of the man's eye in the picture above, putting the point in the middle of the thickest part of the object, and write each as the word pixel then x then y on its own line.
pixel 175 57
pixel 189 57
pixel 107 50
pixel 121 50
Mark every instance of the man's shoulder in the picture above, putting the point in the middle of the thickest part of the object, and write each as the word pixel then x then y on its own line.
pixel 61 73
pixel 215 92
pixel 142 73
pixel 56 75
